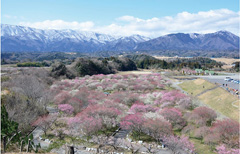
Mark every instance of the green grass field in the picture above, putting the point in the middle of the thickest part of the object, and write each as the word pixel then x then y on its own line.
pixel 196 86
pixel 201 148
pixel 221 101
pixel 218 99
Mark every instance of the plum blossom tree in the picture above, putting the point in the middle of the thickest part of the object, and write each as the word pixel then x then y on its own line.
pixel 62 97
pixel 189 129
pixel 177 144
pixel 201 132
pixel 140 107
pixel 133 122
pixel 226 132
pixel 223 149
pixel 45 122
pixel 174 116
pixel 66 108
pixel 130 97
pixel 86 125
pixel 108 116
pixel 157 128
pixel 170 96
pixel 185 103
pixel 202 116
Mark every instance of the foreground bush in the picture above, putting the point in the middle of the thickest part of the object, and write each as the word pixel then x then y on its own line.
pixel 178 144
pixel 222 149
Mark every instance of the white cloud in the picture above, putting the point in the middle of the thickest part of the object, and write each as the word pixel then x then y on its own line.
pixel 129 19
pixel 201 22
pixel 60 24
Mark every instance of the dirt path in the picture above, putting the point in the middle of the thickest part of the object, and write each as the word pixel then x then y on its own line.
pixel 206 91
pixel 234 104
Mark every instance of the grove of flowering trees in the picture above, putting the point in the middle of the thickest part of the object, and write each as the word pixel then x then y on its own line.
pixel 96 106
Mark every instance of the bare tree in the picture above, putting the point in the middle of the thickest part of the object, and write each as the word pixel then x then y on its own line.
pixel 45 122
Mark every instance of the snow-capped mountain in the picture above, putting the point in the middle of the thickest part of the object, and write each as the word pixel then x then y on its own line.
pixel 19 38
pixel 54 35
pixel 218 41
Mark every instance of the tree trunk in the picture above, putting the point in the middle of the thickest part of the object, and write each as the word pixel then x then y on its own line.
pixel 69 150
pixel 4 143
pixel 28 146
pixel 21 146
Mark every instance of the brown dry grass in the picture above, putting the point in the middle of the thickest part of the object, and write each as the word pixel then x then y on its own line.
pixel 221 101
pixel 196 86
pixel 227 61
pixel 199 81
pixel 218 99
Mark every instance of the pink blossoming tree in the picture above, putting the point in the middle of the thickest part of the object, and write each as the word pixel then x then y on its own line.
pixel 174 116
pixel 179 144
pixel 66 108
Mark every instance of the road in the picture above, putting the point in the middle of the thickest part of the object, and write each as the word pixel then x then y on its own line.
pixel 219 79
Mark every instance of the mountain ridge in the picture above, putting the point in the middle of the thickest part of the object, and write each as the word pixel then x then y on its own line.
pixel 20 38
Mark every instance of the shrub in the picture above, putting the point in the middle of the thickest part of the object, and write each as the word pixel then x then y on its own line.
pixel 59 70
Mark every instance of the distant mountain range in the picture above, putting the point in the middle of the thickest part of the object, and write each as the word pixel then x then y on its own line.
pixel 20 39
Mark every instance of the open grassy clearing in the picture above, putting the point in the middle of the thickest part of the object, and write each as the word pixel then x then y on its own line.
pixel 218 99
pixel 221 101
pixel 195 87
pixel 228 62
pixel 200 147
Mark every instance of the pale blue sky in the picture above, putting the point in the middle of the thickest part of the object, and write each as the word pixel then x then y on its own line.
pixel 103 12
